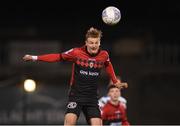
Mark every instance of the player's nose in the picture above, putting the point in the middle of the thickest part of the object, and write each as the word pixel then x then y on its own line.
pixel 94 45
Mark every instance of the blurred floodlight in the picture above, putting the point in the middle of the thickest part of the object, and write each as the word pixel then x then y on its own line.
pixel 29 85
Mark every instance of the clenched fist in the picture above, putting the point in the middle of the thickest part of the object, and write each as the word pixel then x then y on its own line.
pixel 29 58
pixel 121 84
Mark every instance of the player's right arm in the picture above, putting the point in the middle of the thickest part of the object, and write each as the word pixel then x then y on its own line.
pixel 67 56
pixel 104 116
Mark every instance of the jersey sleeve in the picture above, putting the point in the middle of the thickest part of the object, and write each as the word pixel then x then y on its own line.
pixel 109 69
pixel 66 56
pixel 49 57
pixel 124 118
pixel 123 101
pixel 69 55
pixel 103 114
pixel 103 101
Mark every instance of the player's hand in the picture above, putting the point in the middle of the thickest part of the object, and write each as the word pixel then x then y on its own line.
pixel 121 85
pixel 27 58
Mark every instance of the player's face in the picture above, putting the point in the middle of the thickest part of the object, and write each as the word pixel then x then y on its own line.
pixel 114 94
pixel 93 45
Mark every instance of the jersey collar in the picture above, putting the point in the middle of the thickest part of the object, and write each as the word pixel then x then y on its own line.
pixel 92 55
pixel 113 104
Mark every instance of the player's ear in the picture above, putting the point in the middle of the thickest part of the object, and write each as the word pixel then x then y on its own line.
pixel 86 42
pixel 100 43
pixel 108 94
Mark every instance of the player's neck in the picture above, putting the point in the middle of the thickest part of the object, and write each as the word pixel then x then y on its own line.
pixel 114 102
pixel 91 53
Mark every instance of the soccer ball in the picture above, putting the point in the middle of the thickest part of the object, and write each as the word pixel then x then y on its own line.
pixel 111 15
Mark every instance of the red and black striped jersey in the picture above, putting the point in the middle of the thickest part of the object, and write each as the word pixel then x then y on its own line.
pixel 85 71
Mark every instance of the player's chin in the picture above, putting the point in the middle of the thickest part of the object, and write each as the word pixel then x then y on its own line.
pixel 116 98
pixel 94 51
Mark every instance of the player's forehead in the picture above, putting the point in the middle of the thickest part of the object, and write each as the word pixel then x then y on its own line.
pixel 114 89
pixel 91 39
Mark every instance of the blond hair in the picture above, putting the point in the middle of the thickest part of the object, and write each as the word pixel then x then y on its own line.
pixel 93 33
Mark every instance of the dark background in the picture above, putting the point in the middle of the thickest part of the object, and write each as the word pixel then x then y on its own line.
pixel 144 49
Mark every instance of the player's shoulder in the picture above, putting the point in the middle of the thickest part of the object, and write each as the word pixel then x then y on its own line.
pixel 122 99
pixel 104 99
pixel 80 49
pixel 75 49
pixel 105 52
pixel 106 106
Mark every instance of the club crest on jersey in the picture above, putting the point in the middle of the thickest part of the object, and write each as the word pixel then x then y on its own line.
pixel 118 114
pixel 91 64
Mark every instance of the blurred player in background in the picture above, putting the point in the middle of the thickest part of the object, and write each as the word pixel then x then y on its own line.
pixel 113 112
pixel 103 100
pixel 87 61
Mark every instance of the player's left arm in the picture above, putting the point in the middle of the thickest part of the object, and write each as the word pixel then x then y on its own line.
pixel 110 71
pixel 125 121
